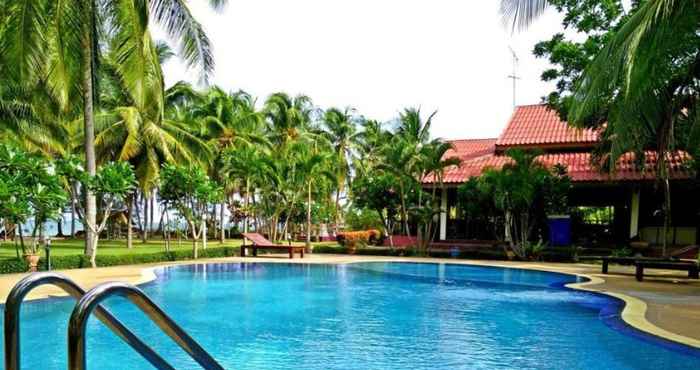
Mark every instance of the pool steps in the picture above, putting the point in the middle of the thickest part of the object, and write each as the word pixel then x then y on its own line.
pixel 88 303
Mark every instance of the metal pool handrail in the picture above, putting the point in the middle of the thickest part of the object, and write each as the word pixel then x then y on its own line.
pixel 91 300
pixel 12 319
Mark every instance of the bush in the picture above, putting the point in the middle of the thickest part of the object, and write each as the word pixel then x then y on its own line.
pixel 359 238
pixel 548 254
pixel 14 265
pixel 363 219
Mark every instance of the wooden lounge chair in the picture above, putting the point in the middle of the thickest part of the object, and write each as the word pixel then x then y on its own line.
pixel 606 260
pixel 690 266
pixel 259 242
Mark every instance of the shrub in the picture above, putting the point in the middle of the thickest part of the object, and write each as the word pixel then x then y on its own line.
pixel 548 254
pixel 356 238
pixel 14 265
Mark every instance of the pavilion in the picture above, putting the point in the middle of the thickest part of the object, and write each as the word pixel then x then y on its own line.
pixel 625 202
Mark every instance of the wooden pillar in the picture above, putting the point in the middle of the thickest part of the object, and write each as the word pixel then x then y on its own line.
pixel 634 213
pixel 443 214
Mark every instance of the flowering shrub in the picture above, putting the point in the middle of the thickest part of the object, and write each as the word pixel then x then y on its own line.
pixel 354 238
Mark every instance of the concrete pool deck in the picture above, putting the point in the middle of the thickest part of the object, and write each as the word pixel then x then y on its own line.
pixel 666 304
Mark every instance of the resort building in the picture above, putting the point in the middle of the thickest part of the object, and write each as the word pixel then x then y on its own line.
pixel 612 207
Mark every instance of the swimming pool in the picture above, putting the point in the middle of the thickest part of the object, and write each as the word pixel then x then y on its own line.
pixel 364 316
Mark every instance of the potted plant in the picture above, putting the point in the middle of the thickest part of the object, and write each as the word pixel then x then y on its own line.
pixel 29 188
pixel 47 198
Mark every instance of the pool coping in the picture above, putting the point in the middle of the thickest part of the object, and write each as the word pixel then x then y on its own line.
pixel 633 312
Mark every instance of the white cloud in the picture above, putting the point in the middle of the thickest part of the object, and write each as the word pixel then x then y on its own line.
pixel 378 56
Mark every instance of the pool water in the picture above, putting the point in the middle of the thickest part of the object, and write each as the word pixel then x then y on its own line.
pixel 364 316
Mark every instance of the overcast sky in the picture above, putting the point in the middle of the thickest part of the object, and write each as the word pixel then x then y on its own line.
pixel 379 56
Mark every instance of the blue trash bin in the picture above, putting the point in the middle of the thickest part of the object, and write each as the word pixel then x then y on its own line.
pixel 559 230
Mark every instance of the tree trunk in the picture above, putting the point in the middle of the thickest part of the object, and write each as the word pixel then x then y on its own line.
pixel 152 212
pixel 129 226
pixel 146 222
pixel 222 228
pixel 204 233
pixel 308 218
pixel 246 203
pixel 337 205
pixel 404 213
pixel 59 225
pixel 667 214
pixel 91 237
pixel 72 217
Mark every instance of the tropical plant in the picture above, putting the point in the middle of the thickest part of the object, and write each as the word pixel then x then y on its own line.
pixel 189 191
pixel 642 87
pixel 519 14
pixel 112 184
pixel 60 42
pixel 28 189
pixel 514 188
pixel 341 132
pixel 379 192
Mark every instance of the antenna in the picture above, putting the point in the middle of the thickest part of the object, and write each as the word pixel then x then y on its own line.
pixel 514 75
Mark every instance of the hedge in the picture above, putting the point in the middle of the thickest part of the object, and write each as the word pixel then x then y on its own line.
pixel 549 254
pixel 14 265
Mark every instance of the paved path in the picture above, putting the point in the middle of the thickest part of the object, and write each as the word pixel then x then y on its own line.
pixel 666 303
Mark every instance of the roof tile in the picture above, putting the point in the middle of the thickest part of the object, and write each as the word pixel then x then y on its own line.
pixel 537 125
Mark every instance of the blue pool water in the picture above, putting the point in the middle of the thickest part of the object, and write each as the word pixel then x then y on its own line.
pixel 364 316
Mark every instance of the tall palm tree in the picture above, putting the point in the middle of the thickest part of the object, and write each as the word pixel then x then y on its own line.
pixel 434 163
pixel 341 131
pixel 287 116
pixel 404 156
pixel 62 40
pixel 370 142
pixel 228 120
pixel 519 14
pixel 642 87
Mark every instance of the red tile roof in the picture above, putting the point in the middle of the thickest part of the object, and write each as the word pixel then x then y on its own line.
pixel 539 126
pixel 578 164
pixel 470 148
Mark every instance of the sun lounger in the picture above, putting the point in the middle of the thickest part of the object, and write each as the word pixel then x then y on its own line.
pixel 690 266
pixel 259 242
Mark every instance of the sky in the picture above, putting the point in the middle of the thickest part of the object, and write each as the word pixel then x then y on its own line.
pixel 379 56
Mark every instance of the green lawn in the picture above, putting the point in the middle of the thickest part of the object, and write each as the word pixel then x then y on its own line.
pixel 113 247
pixel 118 247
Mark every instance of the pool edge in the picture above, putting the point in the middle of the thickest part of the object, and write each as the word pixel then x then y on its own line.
pixel 633 313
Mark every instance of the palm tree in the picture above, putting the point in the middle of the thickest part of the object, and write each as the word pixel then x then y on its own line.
pixel 229 120
pixel 287 117
pixel 519 14
pixel 643 88
pixel 370 142
pixel 434 163
pixel 314 165
pixel 404 156
pixel 61 41
pixel 341 131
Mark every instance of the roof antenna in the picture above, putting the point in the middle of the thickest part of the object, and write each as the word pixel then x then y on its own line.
pixel 514 75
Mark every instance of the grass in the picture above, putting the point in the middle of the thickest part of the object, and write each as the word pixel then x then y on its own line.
pixel 68 247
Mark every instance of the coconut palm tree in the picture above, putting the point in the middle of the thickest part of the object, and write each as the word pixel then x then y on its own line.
pixel 642 87
pixel 60 41
pixel 519 14
pixel 287 117
pixel 228 120
pixel 369 142
pixel 341 131
pixel 433 163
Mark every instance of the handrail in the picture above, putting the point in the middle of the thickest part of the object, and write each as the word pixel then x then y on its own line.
pixel 91 300
pixel 12 319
